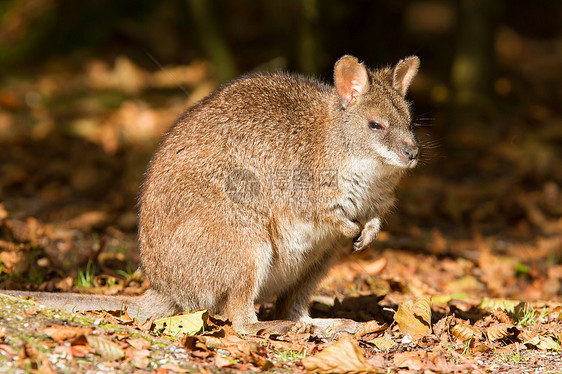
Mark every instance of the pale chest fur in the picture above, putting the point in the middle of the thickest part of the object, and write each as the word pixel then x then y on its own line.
pixel 367 189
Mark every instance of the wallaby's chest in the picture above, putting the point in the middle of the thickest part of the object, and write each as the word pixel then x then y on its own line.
pixel 367 190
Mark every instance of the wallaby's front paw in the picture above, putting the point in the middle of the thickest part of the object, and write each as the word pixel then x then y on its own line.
pixel 350 229
pixel 365 240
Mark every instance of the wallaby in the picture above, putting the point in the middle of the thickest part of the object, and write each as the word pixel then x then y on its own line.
pixel 255 190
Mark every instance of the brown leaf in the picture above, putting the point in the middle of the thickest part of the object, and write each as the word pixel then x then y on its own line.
pixel 64 284
pixel 140 358
pixel 370 328
pixel 414 317
pixel 222 362
pixel 198 345
pixel 441 328
pixel 495 270
pixel 216 320
pixel 260 361
pixel 376 267
pixel 3 212
pixel 61 333
pixel 80 350
pixel 139 343
pixel 11 260
pixel 410 360
pixel 174 367
pixel 146 325
pixel 194 342
pixel 377 361
pixel 529 337
pixel 499 331
pixel 502 316
pixel 464 332
pixel 105 348
pixel 481 348
pixel 383 343
pixel 37 357
pixel 345 356
pixel 30 311
pixel 547 343
pixel 45 367
pixel 8 350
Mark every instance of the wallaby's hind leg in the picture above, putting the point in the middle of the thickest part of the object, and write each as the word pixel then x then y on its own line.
pixel 294 304
pixel 240 310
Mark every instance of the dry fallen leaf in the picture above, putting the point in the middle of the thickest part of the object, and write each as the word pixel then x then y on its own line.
pixel 45 367
pixel 345 356
pixel 30 311
pixel 139 343
pixel 529 337
pixel 197 345
pixel 370 328
pixel 146 325
pixel 61 333
pixel 190 323
pixel 7 351
pixel 140 358
pixel 122 316
pixel 376 267
pixel 383 343
pixel 442 327
pixel 80 350
pixel 105 348
pixel 499 331
pixel 410 360
pixel 547 343
pixel 541 342
pixel 174 368
pixel 504 304
pixel 260 361
pixel 414 317
pixel 464 332
pixel 32 354
pixel 222 362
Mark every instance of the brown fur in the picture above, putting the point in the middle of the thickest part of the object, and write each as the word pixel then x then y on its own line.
pixel 234 208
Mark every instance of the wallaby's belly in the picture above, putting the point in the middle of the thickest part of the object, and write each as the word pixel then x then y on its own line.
pixel 299 250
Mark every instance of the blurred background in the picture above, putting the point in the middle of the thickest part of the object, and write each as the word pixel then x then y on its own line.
pixel 88 87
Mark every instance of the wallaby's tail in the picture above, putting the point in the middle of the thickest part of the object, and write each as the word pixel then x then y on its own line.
pixel 151 304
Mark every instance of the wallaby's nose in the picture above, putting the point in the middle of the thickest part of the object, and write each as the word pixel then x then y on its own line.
pixel 410 152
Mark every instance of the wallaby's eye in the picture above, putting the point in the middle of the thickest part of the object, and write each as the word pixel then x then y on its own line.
pixel 375 125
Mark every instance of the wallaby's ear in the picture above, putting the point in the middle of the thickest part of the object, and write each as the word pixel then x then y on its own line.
pixel 351 79
pixel 404 72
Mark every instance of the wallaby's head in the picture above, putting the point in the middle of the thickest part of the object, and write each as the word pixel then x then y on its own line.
pixel 373 111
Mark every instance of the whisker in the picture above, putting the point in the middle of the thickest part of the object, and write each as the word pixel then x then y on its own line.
pixel 430 142
pixel 415 124
pixel 424 116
